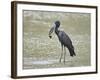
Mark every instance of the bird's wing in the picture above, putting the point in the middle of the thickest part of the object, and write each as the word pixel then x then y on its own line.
pixel 64 38
pixel 66 41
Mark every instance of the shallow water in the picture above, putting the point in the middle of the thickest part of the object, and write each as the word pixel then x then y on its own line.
pixel 39 51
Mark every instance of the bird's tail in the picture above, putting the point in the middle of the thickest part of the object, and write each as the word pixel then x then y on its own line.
pixel 72 52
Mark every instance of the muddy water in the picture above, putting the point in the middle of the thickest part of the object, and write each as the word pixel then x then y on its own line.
pixel 39 51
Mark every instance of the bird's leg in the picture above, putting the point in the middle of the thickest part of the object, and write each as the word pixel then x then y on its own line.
pixel 64 53
pixel 61 53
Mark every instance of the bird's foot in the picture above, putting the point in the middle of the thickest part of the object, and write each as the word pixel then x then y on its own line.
pixel 60 60
pixel 64 61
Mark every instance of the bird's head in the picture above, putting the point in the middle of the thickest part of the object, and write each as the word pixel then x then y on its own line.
pixel 55 25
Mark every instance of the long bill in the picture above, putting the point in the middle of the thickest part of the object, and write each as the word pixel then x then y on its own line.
pixel 51 31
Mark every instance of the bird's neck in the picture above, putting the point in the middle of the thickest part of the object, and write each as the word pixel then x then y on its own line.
pixel 56 31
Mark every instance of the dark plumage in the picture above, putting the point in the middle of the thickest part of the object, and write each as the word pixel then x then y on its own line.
pixel 64 40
